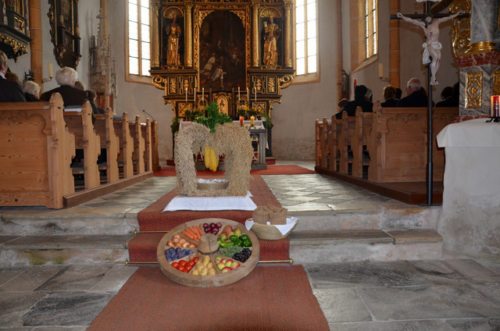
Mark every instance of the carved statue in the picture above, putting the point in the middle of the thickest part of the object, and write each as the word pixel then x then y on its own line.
pixel 173 56
pixel 432 46
pixel 271 32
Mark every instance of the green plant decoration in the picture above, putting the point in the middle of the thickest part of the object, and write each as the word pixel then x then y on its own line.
pixel 213 117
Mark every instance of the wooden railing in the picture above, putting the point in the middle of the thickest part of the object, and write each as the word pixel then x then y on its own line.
pixel 388 145
pixel 38 141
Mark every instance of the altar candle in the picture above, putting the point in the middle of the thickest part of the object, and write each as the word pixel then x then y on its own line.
pixel 495 106
pixel 202 93
pixel 50 70
pixel 248 95
pixel 252 119
pixel 186 94
pixel 194 96
pixel 241 120
pixel 255 95
pixel 239 96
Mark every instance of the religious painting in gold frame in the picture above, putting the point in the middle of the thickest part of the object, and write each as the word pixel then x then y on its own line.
pixel 224 101
pixel 222 46
pixel 65 32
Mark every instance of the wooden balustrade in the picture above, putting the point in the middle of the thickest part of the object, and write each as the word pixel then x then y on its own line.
pixel 38 141
pixel 390 142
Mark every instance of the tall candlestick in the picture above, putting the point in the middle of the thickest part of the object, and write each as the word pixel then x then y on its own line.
pixel 239 96
pixel 248 95
pixel 194 96
pixel 255 95
pixel 186 94
pixel 203 93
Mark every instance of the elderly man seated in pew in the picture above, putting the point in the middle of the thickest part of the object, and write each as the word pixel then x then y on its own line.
pixel 415 94
pixel 9 91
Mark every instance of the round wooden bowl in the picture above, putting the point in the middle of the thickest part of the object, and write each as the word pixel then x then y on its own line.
pixel 268 232
pixel 207 246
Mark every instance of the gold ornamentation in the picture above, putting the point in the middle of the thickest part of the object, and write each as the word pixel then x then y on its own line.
pixel 483 47
pixel 460 33
pixel 18 47
pixel 271 85
pixel 473 89
pixel 172 86
pixel 285 81
pixel 270 12
pixel 159 82
pixel 496 83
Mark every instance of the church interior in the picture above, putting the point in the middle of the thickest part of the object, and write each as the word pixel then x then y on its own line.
pixel 249 165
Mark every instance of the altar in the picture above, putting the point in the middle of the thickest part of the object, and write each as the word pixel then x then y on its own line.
pixel 470 220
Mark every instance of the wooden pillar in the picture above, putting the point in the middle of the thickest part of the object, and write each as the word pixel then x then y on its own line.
pixel 36 40
pixel 255 36
pixel 188 41
pixel 288 34
pixel 155 35
pixel 394 46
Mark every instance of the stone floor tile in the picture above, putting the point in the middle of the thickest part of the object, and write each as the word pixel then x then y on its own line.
pixel 365 274
pixel 410 236
pixel 9 274
pixel 4 239
pixel 492 264
pixel 342 305
pixel 70 241
pixel 491 290
pixel 473 325
pixel 76 278
pixel 68 308
pixel 59 328
pixel 433 325
pixel 114 279
pixel 13 305
pixel 31 279
pixel 473 270
pixel 438 272
pixel 428 303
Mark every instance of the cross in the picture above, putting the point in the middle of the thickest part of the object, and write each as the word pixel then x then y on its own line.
pixel 429 22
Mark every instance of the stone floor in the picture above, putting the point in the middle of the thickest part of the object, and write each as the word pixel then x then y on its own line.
pixel 451 294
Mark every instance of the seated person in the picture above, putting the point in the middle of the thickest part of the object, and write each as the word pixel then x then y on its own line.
pixel 415 94
pixel 390 97
pixel 72 96
pixel 361 99
pixel 31 90
pixel 9 91
pixel 449 96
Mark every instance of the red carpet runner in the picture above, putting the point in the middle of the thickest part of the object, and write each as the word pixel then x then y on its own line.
pixel 142 248
pixel 270 298
pixel 271 170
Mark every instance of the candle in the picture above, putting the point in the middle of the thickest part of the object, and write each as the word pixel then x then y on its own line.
pixel 239 96
pixel 255 89
pixel 194 96
pixel 50 70
pixel 241 120
pixel 203 94
pixel 252 119
pixel 495 106
pixel 186 94
pixel 248 95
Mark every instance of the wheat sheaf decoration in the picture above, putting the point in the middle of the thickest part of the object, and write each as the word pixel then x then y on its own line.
pixel 230 140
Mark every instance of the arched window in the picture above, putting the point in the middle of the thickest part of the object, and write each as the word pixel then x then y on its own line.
pixel 139 41
pixel 306 39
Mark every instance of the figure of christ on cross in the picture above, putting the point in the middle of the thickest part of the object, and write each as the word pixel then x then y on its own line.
pixel 432 47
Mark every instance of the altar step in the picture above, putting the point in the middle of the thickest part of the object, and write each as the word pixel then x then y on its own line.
pixel 305 247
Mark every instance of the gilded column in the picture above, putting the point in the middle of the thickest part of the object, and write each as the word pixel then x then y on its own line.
pixel 155 34
pixel 36 40
pixel 483 25
pixel 188 32
pixel 255 35
pixel 288 34
pixel 394 46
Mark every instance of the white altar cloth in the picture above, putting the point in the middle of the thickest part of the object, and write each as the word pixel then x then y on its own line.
pixel 211 203
pixel 470 220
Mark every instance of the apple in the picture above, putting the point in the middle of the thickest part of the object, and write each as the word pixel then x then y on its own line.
pixel 237 232
pixel 220 265
pixel 226 269
pixel 235 264
pixel 228 264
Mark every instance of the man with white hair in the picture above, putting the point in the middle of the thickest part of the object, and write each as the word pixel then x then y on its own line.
pixel 72 96
pixel 415 94
pixel 9 90
pixel 31 90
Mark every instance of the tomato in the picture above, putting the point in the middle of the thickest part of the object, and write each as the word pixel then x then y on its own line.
pixel 183 269
pixel 175 265
pixel 182 263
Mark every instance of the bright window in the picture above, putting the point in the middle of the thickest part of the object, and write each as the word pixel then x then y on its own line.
pixel 139 43
pixel 370 28
pixel 306 37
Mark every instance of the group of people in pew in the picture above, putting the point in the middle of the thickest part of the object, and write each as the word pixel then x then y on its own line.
pixel 416 96
pixel 71 90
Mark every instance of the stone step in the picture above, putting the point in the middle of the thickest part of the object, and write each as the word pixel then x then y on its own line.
pixel 67 249
pixel 361 245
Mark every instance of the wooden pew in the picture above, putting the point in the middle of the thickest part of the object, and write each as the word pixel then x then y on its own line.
pixel 148 145
pixel 322 127
pixel 398 144
pixel 36 150
pixel 154 154
pixel 80 124
pixel 126 145
pixel 139 146
pixel 107 132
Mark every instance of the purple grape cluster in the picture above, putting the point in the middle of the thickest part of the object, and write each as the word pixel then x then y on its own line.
pixel 212 228
pixel 176 253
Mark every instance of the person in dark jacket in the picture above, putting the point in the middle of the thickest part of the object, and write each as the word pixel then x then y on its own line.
pixel 415 94
pixel 72 96
pixel 31 90
pixel 450 96
pixel 390 97
pixel 361 99
pixel 9 91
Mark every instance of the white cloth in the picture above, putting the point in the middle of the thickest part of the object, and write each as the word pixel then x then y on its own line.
pixel 426 57
pixel 282 228
pixel 473 133
pixel 211 203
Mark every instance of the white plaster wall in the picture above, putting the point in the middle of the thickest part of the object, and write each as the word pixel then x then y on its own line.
pixel 302 104
pixel 134 97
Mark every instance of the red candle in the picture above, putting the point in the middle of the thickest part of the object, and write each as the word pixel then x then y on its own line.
pixel 495 106
pixel 241 120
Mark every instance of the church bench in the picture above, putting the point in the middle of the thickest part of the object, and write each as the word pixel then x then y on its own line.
pixel 126 146
pixel 36 149
pixel 139 147
pixel 80 124
pixel 155 158
pixel 146 132
pixel 107 132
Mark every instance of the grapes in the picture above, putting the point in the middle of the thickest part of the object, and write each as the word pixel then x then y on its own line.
pixel 212 227
pixel 243 255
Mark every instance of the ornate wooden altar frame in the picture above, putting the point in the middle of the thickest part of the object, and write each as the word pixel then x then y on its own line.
pixel 181 83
